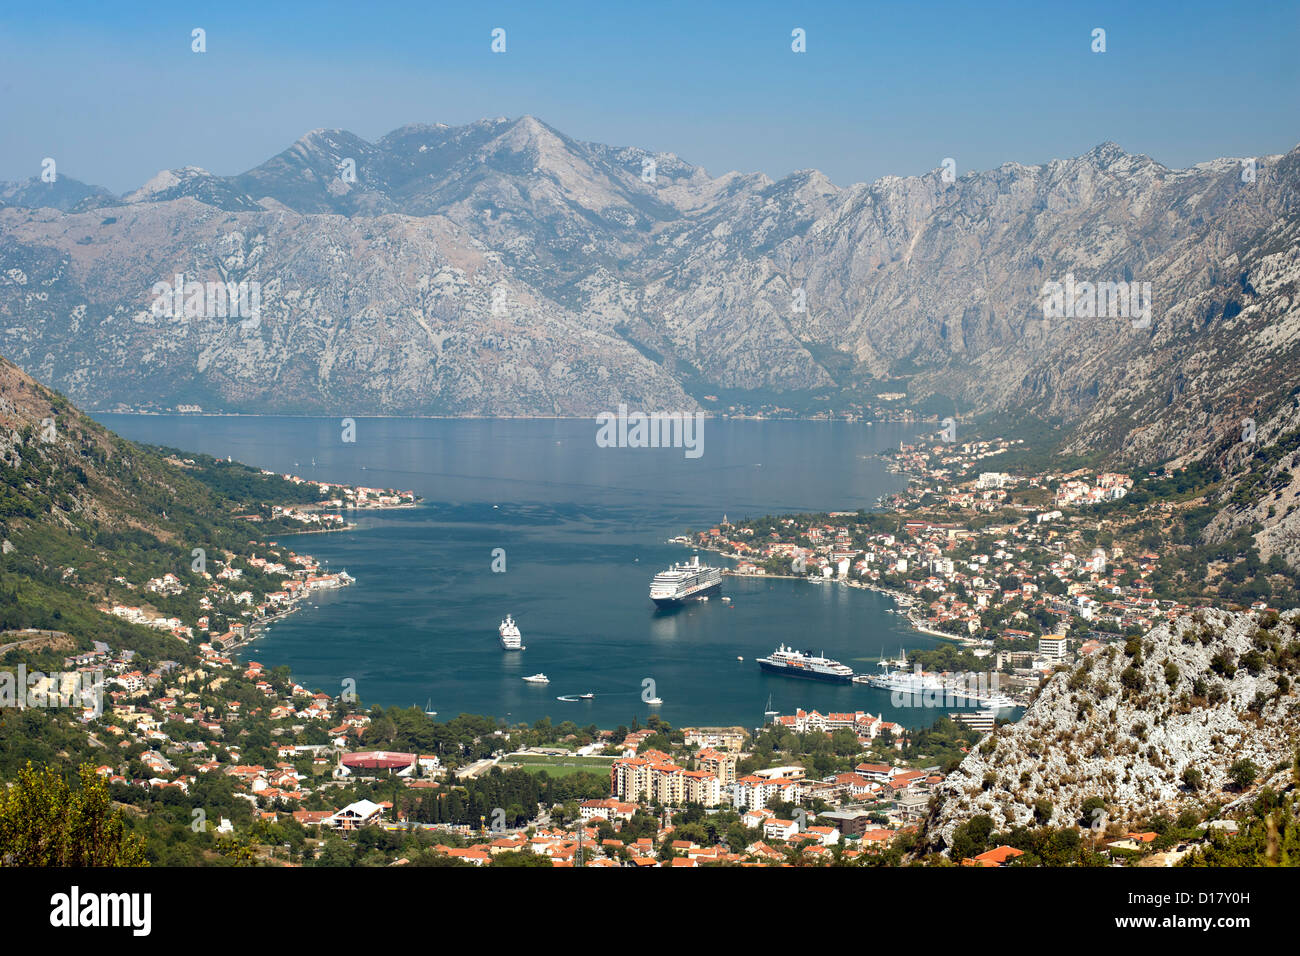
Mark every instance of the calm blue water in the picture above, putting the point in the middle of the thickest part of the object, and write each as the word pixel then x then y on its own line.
pixel 583 529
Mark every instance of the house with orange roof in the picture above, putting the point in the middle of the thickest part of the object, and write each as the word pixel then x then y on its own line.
pixel 878 837
pixel 753 819
pixel 777 829
pixel 753 792
pixel 764 852
pixel 901 781
pixel 515 844
pixel 998 856
pixel 877 772
pixel 828 836
pixel 476 857
pixel 854 784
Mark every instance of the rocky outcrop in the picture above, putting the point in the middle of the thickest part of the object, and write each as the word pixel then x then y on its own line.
pixel 1200 693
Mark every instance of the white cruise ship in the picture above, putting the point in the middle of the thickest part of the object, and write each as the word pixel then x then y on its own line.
pixel 511 639
pixel 684 581
pixel 791 663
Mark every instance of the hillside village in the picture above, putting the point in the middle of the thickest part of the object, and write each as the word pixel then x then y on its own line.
pixel 1029 571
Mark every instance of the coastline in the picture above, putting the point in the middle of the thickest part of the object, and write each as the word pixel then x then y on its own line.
pixel 258 627
pixel 902 600
pixel 506 418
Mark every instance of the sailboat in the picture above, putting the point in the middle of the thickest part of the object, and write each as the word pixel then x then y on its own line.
pixel 427 711
pixel 770 713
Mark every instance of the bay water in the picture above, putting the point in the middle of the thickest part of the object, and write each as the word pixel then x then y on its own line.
pixel 583 529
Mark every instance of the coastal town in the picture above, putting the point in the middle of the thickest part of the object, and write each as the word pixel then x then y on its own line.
pixel 1026 573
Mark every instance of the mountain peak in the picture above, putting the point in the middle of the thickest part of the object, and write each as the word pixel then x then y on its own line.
pixel 1111 156
pixel 166 180
pixel 529 128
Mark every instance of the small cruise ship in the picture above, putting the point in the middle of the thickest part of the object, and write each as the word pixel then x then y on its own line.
pixel 792 663
pixel 511 639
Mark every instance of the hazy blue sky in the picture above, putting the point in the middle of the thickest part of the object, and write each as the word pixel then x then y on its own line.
pixel 113 92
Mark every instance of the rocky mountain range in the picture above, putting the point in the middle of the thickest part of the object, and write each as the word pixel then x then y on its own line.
pixel 503 268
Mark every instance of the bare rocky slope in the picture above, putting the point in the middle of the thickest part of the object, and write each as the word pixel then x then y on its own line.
pixel 1202 692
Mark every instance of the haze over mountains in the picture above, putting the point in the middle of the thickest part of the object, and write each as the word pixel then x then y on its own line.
pixel 502 268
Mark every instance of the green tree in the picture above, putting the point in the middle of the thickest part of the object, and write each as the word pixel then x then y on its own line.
pixel 521 859
pixel 1243 773
pixel 45 822
pixel 1042 812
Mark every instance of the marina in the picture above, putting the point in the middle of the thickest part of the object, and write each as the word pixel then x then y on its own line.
pixel 917 688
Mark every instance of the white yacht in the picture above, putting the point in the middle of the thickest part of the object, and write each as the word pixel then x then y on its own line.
pixel 511 639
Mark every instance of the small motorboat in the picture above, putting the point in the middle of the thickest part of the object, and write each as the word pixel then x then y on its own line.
pixel 654 701
pixel 586 697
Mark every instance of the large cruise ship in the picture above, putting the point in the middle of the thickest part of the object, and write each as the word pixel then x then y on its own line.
pixel 791 663
pixel 684 581
pixel 511 639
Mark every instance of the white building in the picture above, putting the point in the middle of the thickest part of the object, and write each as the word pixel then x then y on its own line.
pixel 1052 647
pixel 359 814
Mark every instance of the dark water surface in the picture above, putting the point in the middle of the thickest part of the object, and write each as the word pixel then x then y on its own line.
pixel 584 530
